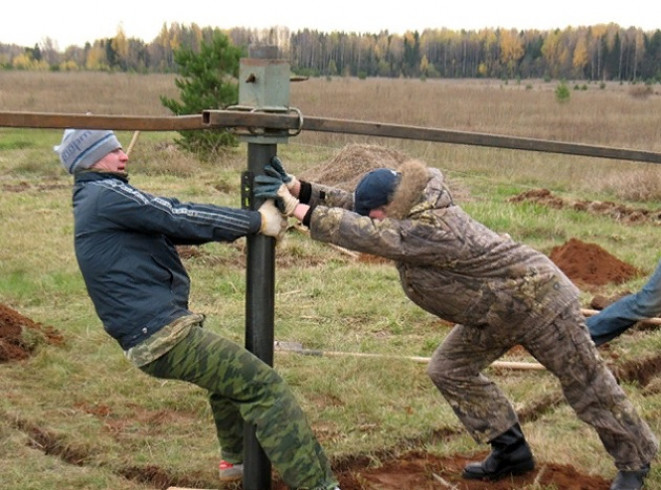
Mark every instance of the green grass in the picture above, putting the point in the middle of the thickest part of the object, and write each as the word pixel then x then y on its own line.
pixel 94 406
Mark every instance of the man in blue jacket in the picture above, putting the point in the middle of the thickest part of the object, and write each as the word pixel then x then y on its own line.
pixel 125 246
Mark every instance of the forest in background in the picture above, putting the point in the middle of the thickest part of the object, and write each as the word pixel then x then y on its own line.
pixel 604 52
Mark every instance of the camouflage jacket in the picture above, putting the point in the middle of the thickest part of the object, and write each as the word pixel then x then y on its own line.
pixel 449 264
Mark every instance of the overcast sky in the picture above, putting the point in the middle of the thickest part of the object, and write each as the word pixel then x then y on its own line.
pixel 29 22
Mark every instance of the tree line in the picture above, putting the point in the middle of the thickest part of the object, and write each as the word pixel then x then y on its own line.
pixel 601 52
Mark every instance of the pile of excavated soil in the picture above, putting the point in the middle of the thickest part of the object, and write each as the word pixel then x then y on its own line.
pixel 618 212
pixel 351 162
pixel 588 264
pixel 19 336
pixel 423 471
pixel 346 168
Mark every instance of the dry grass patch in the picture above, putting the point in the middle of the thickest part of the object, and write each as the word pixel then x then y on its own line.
pixel 139 433
pixel 82 92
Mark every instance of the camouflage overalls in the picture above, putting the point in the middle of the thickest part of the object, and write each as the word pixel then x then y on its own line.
pixel 241 388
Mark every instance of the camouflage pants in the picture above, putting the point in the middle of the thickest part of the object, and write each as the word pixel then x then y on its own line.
pixel 243 388
pixel 565 349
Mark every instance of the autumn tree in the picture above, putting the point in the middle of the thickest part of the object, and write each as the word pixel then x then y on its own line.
pixel 599 52
pixel 120 49
pixel 96 57
pixel 488 66
pixel 28 61
pixel 511 50
pixel 552 51
pixel 581 56
pixel 424 67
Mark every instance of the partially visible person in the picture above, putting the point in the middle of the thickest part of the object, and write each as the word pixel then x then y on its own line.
pixel 497 292
pixel 125 244
pixel 619 316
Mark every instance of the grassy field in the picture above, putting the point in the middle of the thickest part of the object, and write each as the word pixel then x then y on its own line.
pixel 78 415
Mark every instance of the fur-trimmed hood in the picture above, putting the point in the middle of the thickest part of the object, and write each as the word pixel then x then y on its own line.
pixel 420 189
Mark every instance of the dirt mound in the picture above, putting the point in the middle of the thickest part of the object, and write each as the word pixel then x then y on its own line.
pixel 351 162
pixel 19 336
pixel 422 471
pixel 616 211
pixel 427 472
pixel 587 264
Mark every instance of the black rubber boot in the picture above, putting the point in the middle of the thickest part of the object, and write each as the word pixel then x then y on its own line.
pixel 630 480
pixel 510 455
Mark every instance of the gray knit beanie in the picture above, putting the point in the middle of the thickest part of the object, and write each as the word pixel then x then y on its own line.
pixel 82 148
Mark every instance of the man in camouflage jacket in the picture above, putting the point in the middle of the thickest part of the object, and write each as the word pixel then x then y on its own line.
pixel 498 292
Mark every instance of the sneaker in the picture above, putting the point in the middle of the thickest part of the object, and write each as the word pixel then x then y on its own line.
pixel 230 472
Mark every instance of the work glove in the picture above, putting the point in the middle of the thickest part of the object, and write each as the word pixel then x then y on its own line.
pixel 273 223
pixel 276 164
pixel 269 187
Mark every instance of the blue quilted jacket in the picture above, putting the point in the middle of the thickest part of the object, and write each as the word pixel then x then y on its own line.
pixel 125 246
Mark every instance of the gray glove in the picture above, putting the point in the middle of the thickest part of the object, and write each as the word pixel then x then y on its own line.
pixel 276 164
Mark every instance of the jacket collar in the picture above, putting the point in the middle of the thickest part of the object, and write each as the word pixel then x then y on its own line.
pixel 93 175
